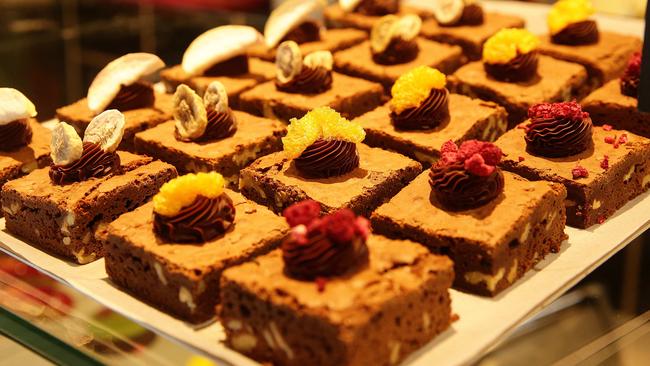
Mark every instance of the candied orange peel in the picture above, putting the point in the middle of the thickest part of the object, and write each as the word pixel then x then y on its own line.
pixel 182 191
pixel 322 122
pixel 565 12
pixel 507 44
pixel 413 87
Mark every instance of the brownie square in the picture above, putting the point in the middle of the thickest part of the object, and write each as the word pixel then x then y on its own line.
pixel 491 246
pixel 349 96
pixel 555 81
pixel 274 182
pixel 23 160
pixel 357 61
pixel 334 40
pixel 377 315
pixel 63 219
pixel 180 278
pixel 79 116
pixel 604 60
pixel 470 37
pixel 335 17
pixel 469 119
pixel 607 105
pixel 594 198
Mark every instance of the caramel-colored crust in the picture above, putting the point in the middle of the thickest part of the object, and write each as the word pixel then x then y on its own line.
pixel 22 161
pixel 337 18
pixel 507 237
pixel 469 119
pixel 155 270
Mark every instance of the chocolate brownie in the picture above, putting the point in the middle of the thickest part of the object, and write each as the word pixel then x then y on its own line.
pixel 509 234
pixel 254 137
pixel 335 17
pixel 62 219
pixel 27 158
pixel 470 37
pixel 607 105
pixel 377 315
pixel 358 61
pixel 555 81
pixel 349 96
pixel 469 119
pixel 607 187
pixel 79 116
pixel 183 279
pixel 274 182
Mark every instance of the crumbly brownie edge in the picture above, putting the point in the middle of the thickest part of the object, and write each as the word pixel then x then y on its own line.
pixel 360 103
pixel 622 118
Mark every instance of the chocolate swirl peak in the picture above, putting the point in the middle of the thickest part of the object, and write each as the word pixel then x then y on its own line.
pixel 201 221
pixel 467 177
pixel 94 163
pixel 15 135
pixel 220 125
pixel 310 80
pixel 558 130
pixel 323 247
pixel 134 96
pixel 432 112
pixel 398 51
pixel 583 32
pixel 472 14
pixel 328 158
pixel 632 77
pixel 377 7
pixel 308 31
pixel 521 68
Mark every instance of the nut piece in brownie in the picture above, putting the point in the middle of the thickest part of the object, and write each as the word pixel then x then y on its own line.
pixel 602 168
pixel 122 85
pixel 364 14
pixel 302 84
pixel 59 209
pixel 335 295
pixel 207 135
pixel 575 37
pixel 394 49
pixel 324 160
pixel 616 103
pixel 171 252
pixel 422 115
pixel 494 225
pixel 302 21
pixel 203 62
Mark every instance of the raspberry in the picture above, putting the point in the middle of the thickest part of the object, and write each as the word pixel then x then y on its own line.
pixel 302 213
pixel 480 157
pixel 521 158
pixel 491 153
pixel 579 172
pixel 623 139
pixel 610 139
pixel 182 191
pixel 413 87
pixel 476 165
pixel 320 283
pixel 607 127
pixel 605 162
pixel 633 69
pixel 570 110
pixel 601 219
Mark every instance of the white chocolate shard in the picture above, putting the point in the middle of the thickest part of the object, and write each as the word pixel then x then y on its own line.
pixel 288 16
pixel 14 105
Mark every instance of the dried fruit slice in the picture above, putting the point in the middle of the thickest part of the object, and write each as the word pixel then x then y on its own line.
pixel 288 61
pixel 66 145
pixel 381 35
pixel 319 59
pixel 125 71
pixel 189 113
pixel 217 45
pixel 182 191
pixel 14 105
pixel 349 5
pixel 288 16
pixel 106 130
pixel 407 27
pixel 216 97
pixel 448 12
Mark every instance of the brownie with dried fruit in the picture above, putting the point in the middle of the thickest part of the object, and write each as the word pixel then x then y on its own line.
pixel 324 160
pixel 295 307
pixel 415 127
pixel 495 226
pixel 171 252
pixel 364 14
pixel 128 91
pixel 59 209
pixel 602 168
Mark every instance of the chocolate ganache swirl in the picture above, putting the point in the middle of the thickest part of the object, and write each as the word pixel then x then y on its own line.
pixel 398 51
pixel 220 125
pixel 15 135
pixel 432 112
pixel 311 80
pixel 94 163
pixel 558 130
pixel 521 68
pixel 134 96
pixel 306 32
pixel 203 220
pixel 377 7
pixel 457 189
pixel 472 15
pixel 328 158
pixel 584 32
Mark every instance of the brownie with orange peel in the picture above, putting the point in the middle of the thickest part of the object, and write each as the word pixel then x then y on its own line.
pixel 516 222
pixel 514 75
pixel 171 252
pixel 422 115
pixel 332 294
pixel 364 14
pixel 324 160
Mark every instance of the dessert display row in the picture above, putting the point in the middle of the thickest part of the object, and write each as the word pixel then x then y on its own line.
pixel 317 204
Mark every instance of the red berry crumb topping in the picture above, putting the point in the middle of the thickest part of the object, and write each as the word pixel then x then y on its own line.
pixel 565 110
pixel 579 172
pixel 479 158
pixel 320 283
pixel 605 162
pixel 632 77
pixel 607 127
pixel 302 213
pixel 610 139
pixel 623 139
pixel 521 158
pixel 601 219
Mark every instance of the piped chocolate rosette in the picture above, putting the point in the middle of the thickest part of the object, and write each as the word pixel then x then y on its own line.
pixel 123 84
pixel 511 55
pixel 467 177
pixel 326 246
pixel 15 111
pixel 420 99
pixel 632 77
pixel 300 21
pixel 311 75
pixel 193 208
pixel 75 160
pixel 558 129
pixel 323 144
pixel 370 7
pixel 569 23
pixel 203 119
pixel 393 39
pixel 450 13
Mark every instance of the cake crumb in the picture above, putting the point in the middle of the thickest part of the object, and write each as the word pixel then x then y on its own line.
pixel 320 283
pixel 521 158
